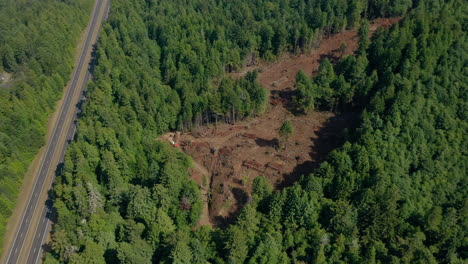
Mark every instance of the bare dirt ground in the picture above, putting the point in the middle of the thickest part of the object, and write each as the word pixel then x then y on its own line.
pixel 6 80
pixel 229 157
pixel 282 72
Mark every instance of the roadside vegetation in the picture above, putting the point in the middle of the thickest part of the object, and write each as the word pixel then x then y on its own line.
pixel 394 193
pixel 37 46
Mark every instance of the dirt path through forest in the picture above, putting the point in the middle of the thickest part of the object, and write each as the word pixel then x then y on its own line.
pixel 203 178
pixel 282 72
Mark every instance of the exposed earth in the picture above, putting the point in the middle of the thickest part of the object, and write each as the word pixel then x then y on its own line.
pixel 5 79
pixel 228 157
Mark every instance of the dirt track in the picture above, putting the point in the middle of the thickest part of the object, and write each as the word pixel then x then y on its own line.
pixel 233 155
pixel 282 72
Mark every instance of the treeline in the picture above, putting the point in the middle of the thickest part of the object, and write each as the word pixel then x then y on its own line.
pixel 37 45
pixel 344 87
pixel 187 45
pixel 125 198
pixel 397 191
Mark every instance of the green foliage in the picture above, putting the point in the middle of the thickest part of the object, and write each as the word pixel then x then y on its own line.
pixel 160 66
pixel 237 99
pixel 364 40
pixel 135 253
pixel 386 196
pixel 286 129
pixel 306 91
pixel 395 194
pixel 261 187
pixel 37 47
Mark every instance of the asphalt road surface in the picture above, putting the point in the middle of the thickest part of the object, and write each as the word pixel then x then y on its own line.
pixel 63 131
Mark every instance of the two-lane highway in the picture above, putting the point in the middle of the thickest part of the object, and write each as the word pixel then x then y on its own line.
pixel 35 220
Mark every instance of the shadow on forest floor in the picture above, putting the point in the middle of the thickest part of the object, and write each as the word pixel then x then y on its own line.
pixel 329 138
pixel 241 198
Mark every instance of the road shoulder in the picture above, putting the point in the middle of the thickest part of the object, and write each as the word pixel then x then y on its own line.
pixel 33 169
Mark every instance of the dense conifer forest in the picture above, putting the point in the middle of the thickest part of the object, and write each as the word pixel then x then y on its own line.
pixel 37 46
pixel 395 192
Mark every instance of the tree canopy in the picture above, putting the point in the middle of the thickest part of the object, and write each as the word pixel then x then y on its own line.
pixel 37 48
pixel 394 193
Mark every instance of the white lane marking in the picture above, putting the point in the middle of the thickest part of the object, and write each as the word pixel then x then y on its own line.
pixel 62 108
pixel 42 240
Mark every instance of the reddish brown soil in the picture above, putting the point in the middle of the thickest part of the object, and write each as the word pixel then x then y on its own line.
pixel 282 72
pixel 233 155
